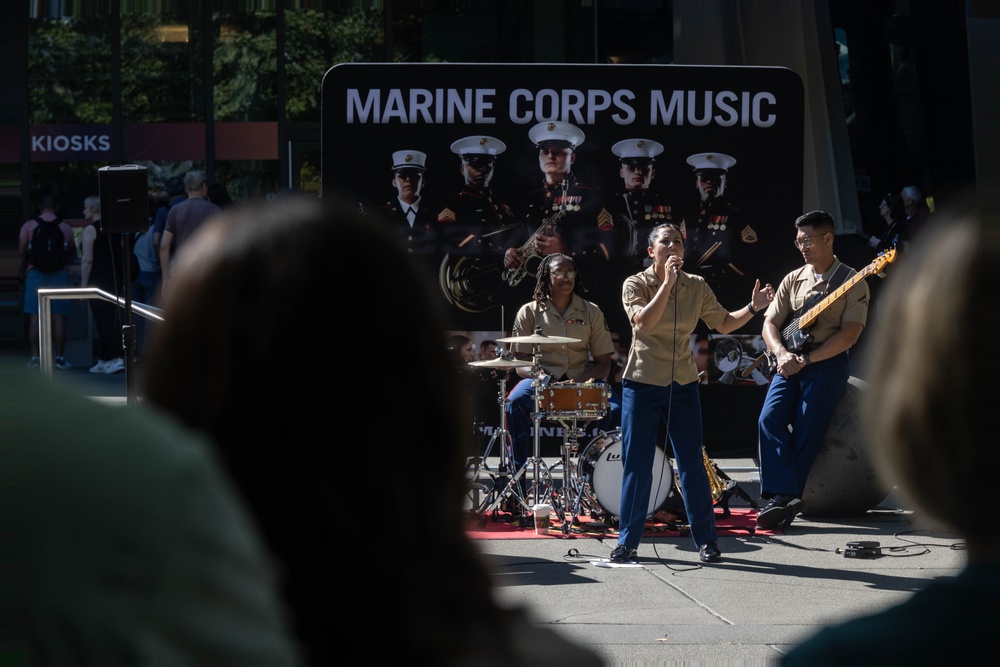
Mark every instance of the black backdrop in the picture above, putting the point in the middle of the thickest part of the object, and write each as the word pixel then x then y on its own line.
pixel 754 114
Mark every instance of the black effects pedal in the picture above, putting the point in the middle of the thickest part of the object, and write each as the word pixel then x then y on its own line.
pixel 863 549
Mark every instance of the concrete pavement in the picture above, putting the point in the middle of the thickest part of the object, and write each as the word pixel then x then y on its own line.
pixel 767 594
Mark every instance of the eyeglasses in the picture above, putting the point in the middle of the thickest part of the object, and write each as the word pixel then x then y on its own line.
pixel 806 242
pixel 561 275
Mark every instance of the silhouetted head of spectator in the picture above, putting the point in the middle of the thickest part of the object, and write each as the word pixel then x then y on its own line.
pixel 243 286
pixel 218 195
pixel 48 203
pixel 174 186
pixel 937 298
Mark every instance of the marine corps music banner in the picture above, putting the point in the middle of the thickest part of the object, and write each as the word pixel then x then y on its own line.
pixel 471 162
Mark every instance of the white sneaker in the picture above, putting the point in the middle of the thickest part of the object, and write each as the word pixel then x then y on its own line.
pixel 99 367
pixel 115 366
pixel 62 364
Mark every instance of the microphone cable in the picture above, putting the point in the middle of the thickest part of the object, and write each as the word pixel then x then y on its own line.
pixel 665 463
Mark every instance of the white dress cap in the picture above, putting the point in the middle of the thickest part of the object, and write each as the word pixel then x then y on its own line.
pixel 478 145
pixel 409 159
pixel 711 161
pixel 554 130
pixel 642 148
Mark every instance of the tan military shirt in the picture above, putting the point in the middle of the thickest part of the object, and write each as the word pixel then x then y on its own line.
pixel 664 354
pixel 582 319
pixel 801 285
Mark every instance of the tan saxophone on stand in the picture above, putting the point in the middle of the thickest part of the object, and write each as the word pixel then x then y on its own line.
pixel 530 249
pixel 714 481
pixel 723 487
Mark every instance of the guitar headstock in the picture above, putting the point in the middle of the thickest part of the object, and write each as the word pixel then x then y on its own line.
pixel 884 257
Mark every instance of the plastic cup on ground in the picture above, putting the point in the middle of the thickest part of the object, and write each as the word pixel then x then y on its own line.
pixel 543 516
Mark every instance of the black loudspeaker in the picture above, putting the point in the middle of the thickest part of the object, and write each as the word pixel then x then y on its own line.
pixel 124 198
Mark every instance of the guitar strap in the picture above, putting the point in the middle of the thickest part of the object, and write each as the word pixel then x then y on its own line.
pixel 836 280
pixel 838 277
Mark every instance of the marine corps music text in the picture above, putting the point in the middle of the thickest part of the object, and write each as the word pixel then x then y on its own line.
pixel 724 108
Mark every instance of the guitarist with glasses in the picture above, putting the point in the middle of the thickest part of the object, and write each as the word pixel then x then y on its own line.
pixel 812 365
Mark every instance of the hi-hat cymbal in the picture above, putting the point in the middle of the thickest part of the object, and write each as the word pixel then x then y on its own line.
pixel 538 339
pixel 501 363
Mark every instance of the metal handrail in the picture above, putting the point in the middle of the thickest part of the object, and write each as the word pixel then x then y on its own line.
pixel 47 294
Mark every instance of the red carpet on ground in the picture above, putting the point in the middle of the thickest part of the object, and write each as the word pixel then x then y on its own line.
pixel 498 526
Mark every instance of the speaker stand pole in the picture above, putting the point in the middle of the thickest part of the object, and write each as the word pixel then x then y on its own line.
pixel 128 330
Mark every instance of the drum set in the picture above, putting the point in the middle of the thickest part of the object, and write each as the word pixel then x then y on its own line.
pixel 573 405
pixel 592 485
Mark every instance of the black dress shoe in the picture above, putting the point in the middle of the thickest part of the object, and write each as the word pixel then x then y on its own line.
pixel 709 553
pixel 622 554
pixel 779 512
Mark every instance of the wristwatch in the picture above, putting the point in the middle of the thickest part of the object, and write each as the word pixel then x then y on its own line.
pixel 750 308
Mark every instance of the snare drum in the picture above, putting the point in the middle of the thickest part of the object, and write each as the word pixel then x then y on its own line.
pixel 600 466
pixel 579 400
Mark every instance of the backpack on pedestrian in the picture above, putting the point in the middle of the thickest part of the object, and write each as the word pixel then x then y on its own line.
pixel 47 250
pixel 144 252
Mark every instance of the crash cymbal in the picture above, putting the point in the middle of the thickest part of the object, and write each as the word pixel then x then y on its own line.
pixel 501 363
pixel 538 339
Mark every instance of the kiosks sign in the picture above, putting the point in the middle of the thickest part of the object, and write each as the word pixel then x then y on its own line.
pixel 595 155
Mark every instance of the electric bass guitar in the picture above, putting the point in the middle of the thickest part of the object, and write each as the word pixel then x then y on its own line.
pixel 795 334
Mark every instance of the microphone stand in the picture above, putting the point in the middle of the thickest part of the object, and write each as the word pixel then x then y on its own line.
pixel 128 329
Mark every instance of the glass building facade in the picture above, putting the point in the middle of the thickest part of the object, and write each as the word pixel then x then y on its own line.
pixel 233 86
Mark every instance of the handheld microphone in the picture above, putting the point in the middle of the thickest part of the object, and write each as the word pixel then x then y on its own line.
pixel 675 269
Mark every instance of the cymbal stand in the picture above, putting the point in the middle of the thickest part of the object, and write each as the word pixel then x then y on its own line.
pixel 535 462
pixel 473 465
pixel 501 435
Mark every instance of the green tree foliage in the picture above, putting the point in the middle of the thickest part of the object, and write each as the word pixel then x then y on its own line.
pixel 161 80
pixel 69 71
pixel 319 40
pixel 245 67
pixel 69 65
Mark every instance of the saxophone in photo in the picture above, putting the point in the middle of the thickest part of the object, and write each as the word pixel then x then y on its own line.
pixel 529 251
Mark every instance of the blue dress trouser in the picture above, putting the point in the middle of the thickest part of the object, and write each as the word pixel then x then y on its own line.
pixel 643 406
pixel 804 401
pixel 521 405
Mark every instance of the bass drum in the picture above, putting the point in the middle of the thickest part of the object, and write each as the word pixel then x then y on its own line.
pixel 600 467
